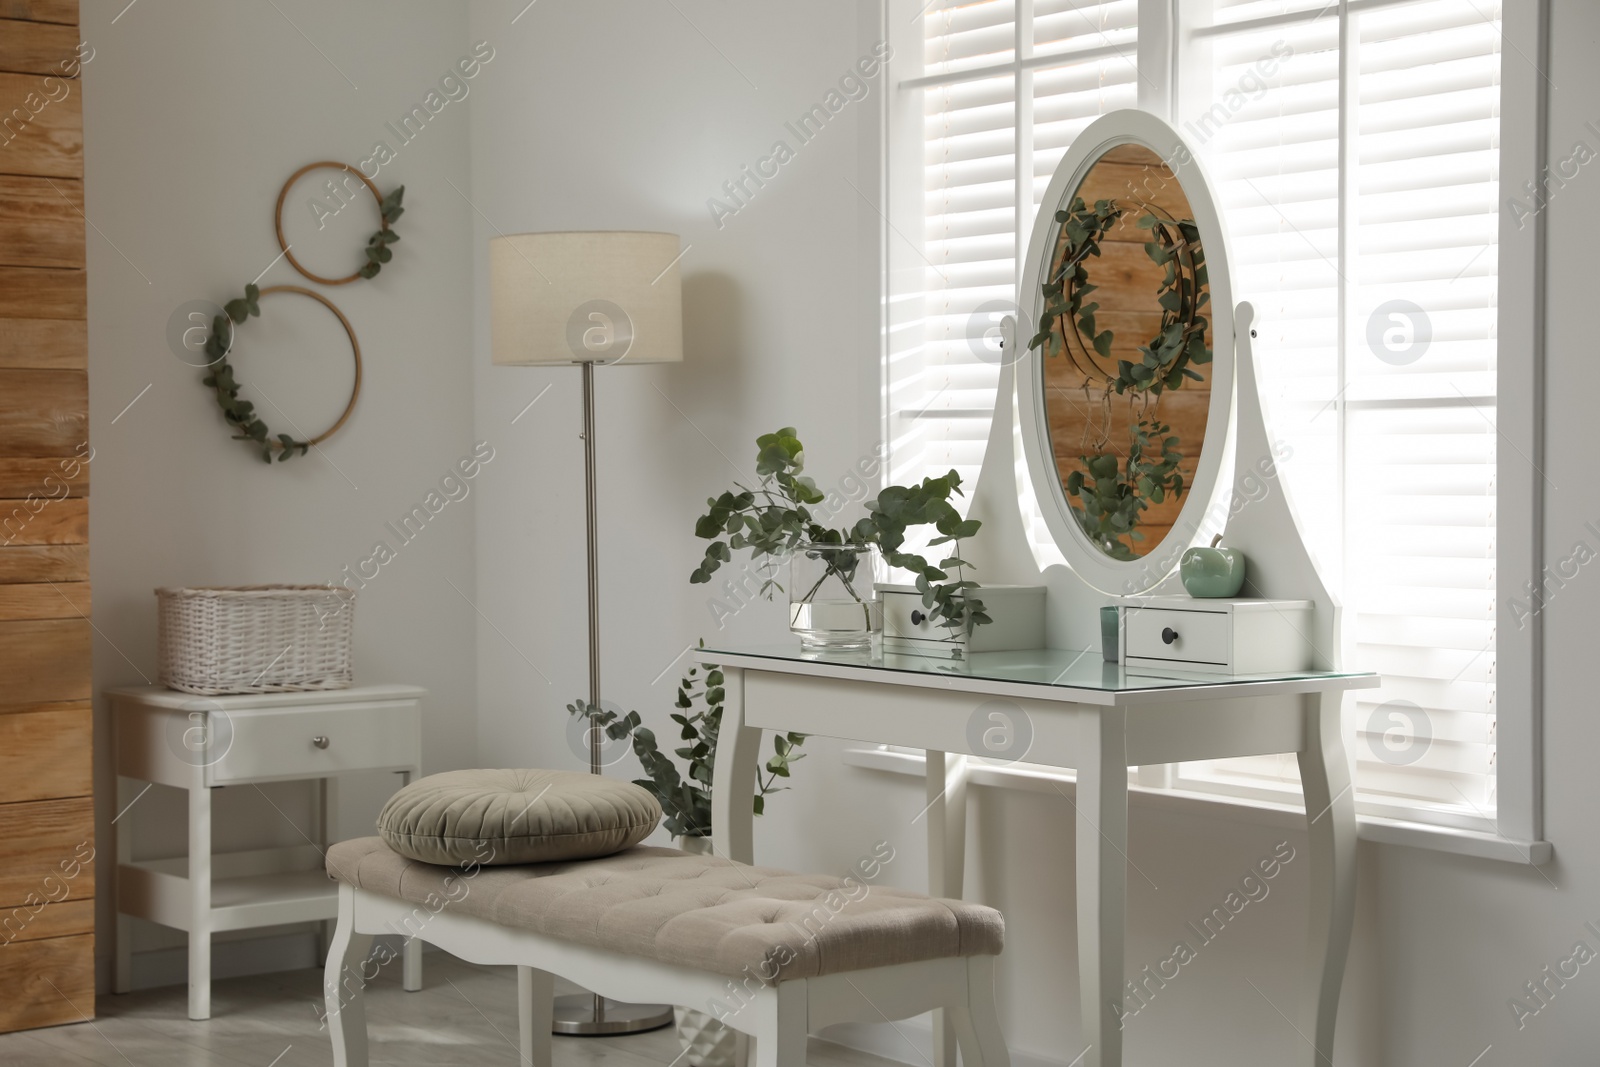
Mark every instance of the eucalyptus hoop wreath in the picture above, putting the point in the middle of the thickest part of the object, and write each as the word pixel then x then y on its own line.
pixel 241 414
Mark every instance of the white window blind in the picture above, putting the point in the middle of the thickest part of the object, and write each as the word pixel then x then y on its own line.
pixel 1006 86
pixel 1391 421
pixel 1377 354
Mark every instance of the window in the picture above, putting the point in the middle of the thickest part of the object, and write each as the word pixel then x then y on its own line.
pixel 1357 159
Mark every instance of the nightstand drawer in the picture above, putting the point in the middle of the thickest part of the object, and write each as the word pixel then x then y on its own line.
pixel 264 743
pixel 1179 636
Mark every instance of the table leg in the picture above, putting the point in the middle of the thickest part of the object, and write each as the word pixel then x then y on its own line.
pixel 322 834
pixel 734 776
pixel 122 835
pixel 1102 845
pixel 947 857
pixel 1331 814
pixel 199 901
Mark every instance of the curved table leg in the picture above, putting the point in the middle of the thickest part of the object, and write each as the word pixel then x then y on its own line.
pixel 733 779
pixel 1331 816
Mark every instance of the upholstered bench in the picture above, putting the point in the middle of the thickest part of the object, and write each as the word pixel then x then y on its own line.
pixel 770 953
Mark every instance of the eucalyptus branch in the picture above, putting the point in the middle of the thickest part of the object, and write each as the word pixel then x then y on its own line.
pixel 241 414
pixel 736 520
pixel 685 797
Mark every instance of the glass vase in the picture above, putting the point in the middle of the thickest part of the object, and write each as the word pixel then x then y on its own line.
pixel 833 597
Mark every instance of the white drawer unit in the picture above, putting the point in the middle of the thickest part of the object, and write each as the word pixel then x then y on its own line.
pixel 199 743
pixel 1017 611
pixel 1223 636
pixel 284 743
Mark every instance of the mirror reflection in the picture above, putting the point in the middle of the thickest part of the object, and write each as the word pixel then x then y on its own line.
pixel 1125 336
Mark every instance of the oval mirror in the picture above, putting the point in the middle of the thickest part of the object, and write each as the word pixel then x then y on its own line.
pixel 1127 318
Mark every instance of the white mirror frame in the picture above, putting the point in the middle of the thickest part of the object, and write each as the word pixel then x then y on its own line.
pixel 1088 562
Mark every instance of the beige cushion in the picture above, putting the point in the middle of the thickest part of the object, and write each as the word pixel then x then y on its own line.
pixel 703 912
pixel 502 817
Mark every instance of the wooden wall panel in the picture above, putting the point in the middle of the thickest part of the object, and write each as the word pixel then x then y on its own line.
pixel 47 751
pixel 21 477
pixel 38 48
pixel 27 292
pixel 44 344
pixel 30 1000
pixel 46 660
pixel 43 412
pixel 43 563
pixel 41 134
pixel 44 600
pixel 46 639
pixel 44 522
pixel 64 11
pixel 32 923
pixel 45 841
pixel 41 221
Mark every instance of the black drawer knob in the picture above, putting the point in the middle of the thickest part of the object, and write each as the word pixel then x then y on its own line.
pixel 917 617
pixel 1169 635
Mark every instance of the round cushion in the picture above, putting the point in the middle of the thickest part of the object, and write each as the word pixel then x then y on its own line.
pixel 501 817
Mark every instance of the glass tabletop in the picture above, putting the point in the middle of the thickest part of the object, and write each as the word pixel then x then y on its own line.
pixel 1051 667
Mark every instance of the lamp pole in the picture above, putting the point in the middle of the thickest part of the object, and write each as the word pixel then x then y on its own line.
pixel 592 523
pixel 590 1014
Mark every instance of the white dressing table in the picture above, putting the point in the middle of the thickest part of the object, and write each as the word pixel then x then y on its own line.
pixel 1069 709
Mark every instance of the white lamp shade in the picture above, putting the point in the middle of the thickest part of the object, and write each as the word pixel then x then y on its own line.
pixel 598 296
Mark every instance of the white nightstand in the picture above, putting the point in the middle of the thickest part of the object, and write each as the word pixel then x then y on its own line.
pixel 199 744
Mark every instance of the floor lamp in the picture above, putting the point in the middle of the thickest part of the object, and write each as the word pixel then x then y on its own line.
pixel 592 298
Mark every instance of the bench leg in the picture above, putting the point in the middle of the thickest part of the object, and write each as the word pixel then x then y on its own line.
pixel 536 992
pixel 977 1022
pixel 781 1027
pixel 411 965
pixel 343 987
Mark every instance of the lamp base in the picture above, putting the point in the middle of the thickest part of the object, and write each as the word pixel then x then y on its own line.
pixel 587 1015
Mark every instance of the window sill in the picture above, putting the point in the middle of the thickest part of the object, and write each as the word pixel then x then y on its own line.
pixel 1371 828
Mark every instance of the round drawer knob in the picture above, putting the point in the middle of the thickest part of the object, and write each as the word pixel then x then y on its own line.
pixel 1169 635
pixel 321 741
pixel 917 617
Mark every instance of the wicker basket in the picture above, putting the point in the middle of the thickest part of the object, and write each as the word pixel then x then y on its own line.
pixel 255 639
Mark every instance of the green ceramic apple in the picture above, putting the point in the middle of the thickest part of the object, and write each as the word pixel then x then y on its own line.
pixel 1212 572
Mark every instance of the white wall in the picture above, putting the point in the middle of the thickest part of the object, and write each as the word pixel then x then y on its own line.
pixel 195 114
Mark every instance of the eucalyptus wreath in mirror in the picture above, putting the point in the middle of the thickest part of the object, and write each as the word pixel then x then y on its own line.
pixel 774 519
pixel 1110 493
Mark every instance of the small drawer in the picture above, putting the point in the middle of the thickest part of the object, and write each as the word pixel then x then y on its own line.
pixel 905 616
pixel 1016 611
pixel 269 743
pixel 1199 637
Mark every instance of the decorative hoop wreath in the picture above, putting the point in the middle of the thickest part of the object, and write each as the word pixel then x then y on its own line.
pixel 378 250
pixel 241 414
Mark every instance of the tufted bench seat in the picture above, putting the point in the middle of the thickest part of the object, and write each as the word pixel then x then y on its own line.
pixel 769 952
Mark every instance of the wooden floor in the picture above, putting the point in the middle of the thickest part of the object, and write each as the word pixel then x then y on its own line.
pixel 464 1017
